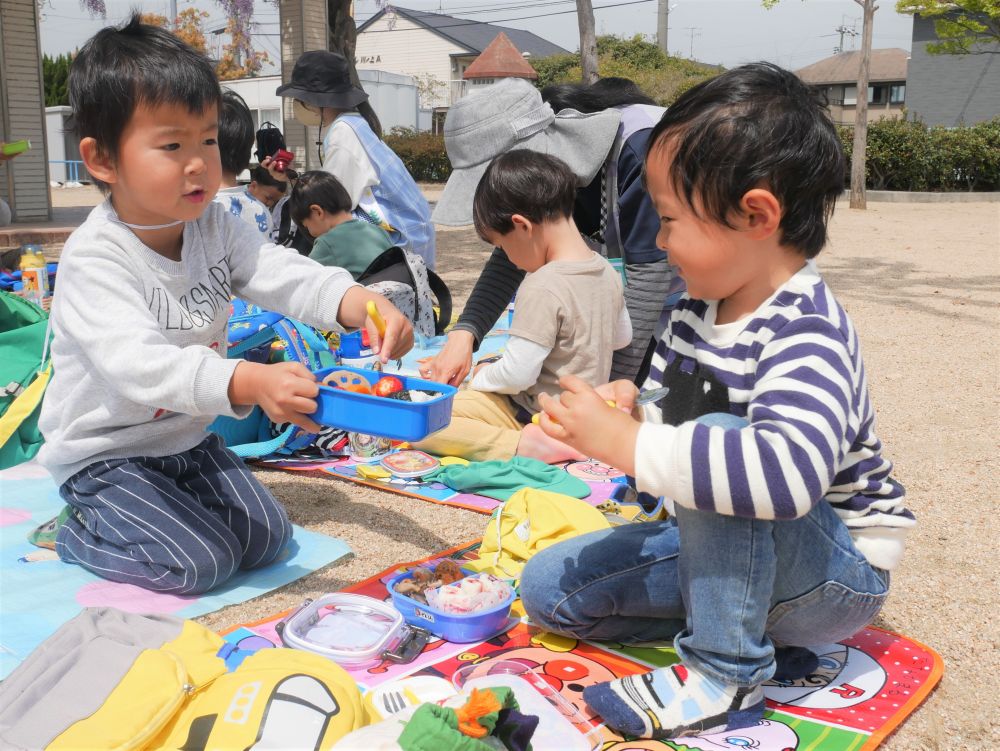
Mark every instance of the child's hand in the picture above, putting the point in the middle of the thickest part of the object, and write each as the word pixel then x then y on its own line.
pixel 622 393
pixel 453 362
pixel 398 337
pixel 353 314
pixel 286 391
pixel 582 418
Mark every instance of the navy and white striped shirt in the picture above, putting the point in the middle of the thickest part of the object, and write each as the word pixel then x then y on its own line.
pixel 794 371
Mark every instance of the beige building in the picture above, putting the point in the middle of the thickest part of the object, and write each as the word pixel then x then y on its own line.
pixel 838 76
pixel 435 49
pixel 24 181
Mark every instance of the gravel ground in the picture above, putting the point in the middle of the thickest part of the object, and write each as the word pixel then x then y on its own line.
pixel 922 284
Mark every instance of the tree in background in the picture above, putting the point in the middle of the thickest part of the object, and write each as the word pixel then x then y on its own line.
pixel 858 153
pixel 55 73
pixel 187 27
pixel 663 78
pixel 238 60
pixel 964 27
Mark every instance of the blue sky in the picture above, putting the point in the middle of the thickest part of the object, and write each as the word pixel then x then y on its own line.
pixel 793 34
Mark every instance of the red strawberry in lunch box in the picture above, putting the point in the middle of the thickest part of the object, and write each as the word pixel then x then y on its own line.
pixel 387 385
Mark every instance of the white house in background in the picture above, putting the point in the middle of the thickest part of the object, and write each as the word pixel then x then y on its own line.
pixel 436 49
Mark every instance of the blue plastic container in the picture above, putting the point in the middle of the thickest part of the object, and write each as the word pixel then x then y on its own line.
pixel 376 415
pixel 451 627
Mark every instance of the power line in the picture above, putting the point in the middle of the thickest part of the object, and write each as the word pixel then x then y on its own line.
pixel 503 20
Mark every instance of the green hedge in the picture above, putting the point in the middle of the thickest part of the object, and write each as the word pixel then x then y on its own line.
pixel 422 153
pixel 907 155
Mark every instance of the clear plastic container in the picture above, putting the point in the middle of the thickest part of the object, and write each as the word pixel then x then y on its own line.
pixel 560 724
pixel 352 630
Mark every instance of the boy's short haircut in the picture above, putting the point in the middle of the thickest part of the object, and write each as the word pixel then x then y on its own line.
pixel 319 188
pixel 261 176
pixel 236 133
pixel 538 186
pixel 120 69
pixel 755 126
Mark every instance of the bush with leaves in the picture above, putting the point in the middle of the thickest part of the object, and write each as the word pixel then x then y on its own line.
pixel 907 155
pixel 663 78
pixel 423 154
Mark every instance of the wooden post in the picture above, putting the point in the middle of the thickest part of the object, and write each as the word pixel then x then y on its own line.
pixel 588 40
pixel 858 199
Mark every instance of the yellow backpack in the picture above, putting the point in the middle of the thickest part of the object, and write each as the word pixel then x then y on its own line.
pixel 529 521
pixel 115 680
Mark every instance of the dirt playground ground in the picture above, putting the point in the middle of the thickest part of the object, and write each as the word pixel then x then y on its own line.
pixel 922 284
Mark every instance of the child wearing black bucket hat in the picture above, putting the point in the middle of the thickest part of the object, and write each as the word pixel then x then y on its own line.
pixel 382 191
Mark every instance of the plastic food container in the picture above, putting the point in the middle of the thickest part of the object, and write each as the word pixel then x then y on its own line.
pixel 452 627
pixel 377 415
pixel 560 724
pixel 352 630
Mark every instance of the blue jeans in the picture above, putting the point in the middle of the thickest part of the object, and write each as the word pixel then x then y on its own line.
pixel 727 589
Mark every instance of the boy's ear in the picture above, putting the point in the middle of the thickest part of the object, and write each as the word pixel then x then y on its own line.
pixel 98 162
pixel 761 213
pixel 521 222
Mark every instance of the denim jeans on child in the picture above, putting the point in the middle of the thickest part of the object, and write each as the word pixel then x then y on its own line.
pixel 728 588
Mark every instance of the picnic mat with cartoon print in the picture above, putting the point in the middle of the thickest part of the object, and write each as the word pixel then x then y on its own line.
pixel 600 477
pixel 864 688
pixel 39 593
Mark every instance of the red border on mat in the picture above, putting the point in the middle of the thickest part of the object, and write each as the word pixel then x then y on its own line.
pixel 876 737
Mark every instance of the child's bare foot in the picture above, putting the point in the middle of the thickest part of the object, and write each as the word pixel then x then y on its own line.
pixel 536 445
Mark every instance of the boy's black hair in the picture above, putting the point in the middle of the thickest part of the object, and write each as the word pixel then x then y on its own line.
pixel 594 97
pixel 261 176
pixel 120 68
pixel 319 188
pixel 538 186
pixel 756 125
pixel 236 133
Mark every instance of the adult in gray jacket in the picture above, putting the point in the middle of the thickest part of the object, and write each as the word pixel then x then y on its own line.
pixel 605 145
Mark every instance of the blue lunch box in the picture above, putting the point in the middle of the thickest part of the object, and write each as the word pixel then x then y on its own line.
pixel 451 627
pixel 377 415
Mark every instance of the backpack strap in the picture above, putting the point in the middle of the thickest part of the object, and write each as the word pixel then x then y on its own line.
pixel 443 295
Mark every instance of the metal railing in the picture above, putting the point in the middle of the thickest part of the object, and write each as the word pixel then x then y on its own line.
pixel 73 168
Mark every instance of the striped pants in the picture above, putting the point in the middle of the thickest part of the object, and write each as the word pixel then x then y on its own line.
pixel 181 524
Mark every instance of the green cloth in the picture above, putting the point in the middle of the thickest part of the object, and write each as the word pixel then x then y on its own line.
pixel 435 728
pixel 501 479
pixel 352 245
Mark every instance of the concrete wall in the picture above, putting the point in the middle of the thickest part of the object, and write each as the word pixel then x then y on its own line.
pixel 24 181
pixel 950 90
pixel 393 97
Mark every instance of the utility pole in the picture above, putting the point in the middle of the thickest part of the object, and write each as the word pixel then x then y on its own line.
pixel 663 8
pixel 844 29
pixel 695 32
pixel 858 154
pixel 588 40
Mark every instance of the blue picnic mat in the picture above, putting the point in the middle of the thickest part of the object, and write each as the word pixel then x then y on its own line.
pixel 38 593
pixel 492 344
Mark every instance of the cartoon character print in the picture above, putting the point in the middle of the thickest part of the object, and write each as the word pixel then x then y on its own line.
pixel 594 471
pixel 565 664
pixel 861 683
pixel 845 676
pixel 766 735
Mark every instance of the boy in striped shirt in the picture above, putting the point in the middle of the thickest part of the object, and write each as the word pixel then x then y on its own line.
pixel 786 519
